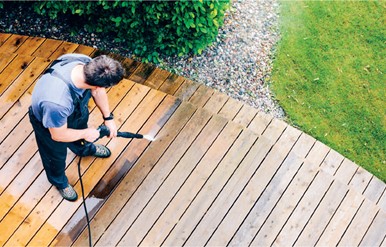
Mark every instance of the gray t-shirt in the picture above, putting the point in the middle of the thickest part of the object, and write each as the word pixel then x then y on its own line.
pixel 52 103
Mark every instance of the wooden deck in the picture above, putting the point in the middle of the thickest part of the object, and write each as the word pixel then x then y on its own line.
pixel 219 172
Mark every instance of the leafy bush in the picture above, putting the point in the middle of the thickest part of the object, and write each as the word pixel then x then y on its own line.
pixel 147 27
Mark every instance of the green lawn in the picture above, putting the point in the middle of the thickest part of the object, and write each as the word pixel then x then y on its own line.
pixel 329 75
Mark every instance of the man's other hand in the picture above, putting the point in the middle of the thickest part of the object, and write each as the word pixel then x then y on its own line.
pixel 112 127
pixel 91 134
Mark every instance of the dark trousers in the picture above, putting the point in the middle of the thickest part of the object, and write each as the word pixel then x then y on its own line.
pixel 53 153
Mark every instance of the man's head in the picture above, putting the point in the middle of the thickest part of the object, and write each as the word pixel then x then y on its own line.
pixel 103 71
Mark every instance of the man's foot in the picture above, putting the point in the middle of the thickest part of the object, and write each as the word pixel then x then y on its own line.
pixel 101 151
pixel 69 193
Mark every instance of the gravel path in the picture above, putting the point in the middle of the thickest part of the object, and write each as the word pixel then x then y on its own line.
pixel 239 63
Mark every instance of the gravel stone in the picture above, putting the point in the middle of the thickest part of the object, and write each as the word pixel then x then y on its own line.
pixel 238 63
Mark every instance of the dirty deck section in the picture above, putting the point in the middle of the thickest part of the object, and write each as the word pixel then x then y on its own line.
pixel 218 173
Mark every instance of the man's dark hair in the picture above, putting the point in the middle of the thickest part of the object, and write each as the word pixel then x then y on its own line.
pixel 103 71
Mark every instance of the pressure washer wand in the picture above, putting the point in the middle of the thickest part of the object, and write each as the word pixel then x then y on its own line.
pixel 104 131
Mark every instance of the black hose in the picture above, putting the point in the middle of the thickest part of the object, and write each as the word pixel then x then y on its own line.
pixel 84 203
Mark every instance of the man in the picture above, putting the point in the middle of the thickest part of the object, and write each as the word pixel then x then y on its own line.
pixel 59 112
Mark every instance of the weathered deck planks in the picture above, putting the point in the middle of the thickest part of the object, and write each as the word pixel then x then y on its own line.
pixel 218 173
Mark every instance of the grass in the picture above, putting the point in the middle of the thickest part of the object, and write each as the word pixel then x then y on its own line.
pixel 329 76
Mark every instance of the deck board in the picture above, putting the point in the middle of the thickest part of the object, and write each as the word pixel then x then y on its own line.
pixel 157 78
pixel 321 216
pixel 230 109
pixel 218 173
pixel 171 84
pixel 62 49
pixel 14 140
pixel 216 102
pixel 142 73
pixel 359 225
pixel 11 44
pixel 341 219
pixel 47 48
pixel 5 59
pixel 376 233
pixel 375 189
pixel 12 71
pixel 304 210
pixel 29 46
pixel 186 90
pixel 245 115
pixel 4 37
pixel 24 81
pixel 360 180
pixel 201 96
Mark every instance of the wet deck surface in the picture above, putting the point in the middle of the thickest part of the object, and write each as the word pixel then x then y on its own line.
pixel 218 173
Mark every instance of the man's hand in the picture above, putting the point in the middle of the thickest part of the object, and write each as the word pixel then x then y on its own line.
pixel 112 127
pixel 91 134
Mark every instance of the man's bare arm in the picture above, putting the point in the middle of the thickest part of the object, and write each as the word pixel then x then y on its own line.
pixel 65 134
pixel 101 100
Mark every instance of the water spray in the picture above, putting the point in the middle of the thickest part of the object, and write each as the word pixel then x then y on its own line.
pixel 149 138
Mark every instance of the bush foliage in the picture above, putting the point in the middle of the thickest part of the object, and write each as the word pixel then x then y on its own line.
pixel 148 28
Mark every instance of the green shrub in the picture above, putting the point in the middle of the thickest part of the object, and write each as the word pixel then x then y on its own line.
pixel 148 28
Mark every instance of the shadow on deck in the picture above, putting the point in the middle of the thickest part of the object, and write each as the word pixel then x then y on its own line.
pixel 218 173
